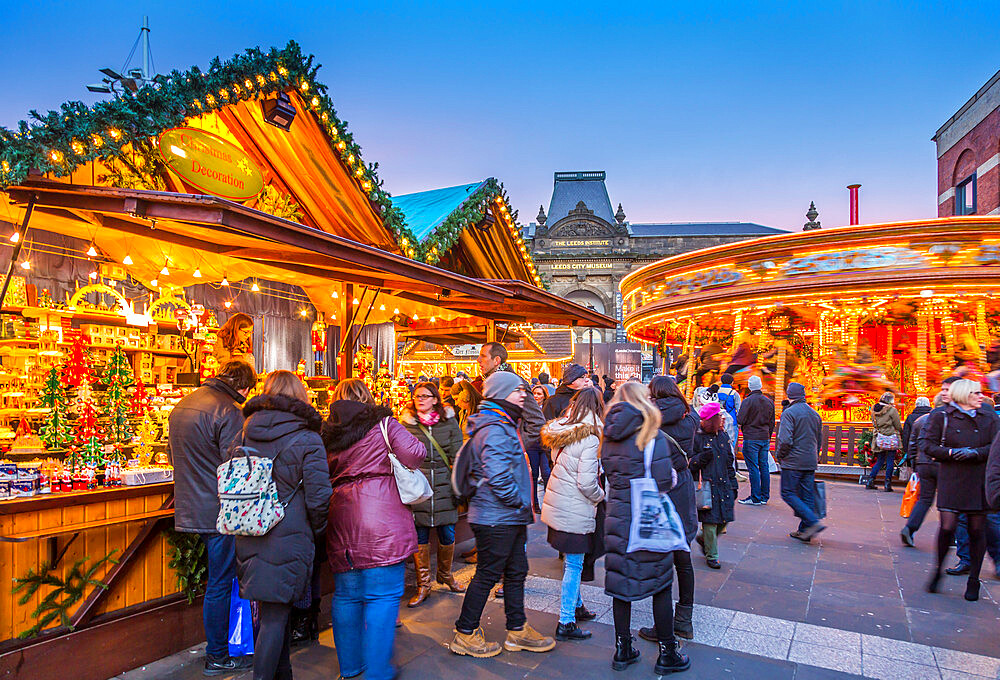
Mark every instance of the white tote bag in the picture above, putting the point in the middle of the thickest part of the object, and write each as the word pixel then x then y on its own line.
pixel 412 484
pixel 656 525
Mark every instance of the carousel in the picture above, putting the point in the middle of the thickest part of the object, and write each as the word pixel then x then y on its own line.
pixel 849 312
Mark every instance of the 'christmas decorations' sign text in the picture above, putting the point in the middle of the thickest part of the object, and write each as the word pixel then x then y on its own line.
pixel 211 164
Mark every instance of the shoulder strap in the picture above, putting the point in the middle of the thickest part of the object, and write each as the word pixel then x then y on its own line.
pixel 647 456
pixel 434 443
pixel 944 427
pixel 675 443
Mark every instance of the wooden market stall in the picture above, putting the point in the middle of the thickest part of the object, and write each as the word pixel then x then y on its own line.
pixel 849 312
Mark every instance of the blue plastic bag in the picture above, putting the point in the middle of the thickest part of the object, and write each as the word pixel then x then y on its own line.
pixel 240 623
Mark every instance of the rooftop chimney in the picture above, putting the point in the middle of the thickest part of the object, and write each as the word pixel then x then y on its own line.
pixel 853 188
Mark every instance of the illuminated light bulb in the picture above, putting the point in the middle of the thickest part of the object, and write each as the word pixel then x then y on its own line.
pixel 334 317
pixel 127 260
pixel 154 283
pixel 381 308
pixel 305 85
pixel 335 295
pixel 197 273
pixel 355 302
pixel 25 265
pixel 416 317
pixel 164 271
pixel 433 319
pixel 224 282
pixel 77 147
pixel 228 304
pixel 304 312
pixel 926 293
pixel 396 310
pixel 56 156
pixel 91 251
pixel 15 237
pixel 114 133
pixel 255 288
pixel 92 275
pixel 315 102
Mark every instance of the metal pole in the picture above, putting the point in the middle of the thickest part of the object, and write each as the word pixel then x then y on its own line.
pixel 590 334
pixel 145 48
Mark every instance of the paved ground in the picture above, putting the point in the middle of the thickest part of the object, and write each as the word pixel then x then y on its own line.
pixel 849 604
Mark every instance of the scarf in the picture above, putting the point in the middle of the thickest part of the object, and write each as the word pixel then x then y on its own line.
pixel 428 419
pixel 510 409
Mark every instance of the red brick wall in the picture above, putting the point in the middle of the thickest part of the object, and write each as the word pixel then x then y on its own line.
pixel 984 142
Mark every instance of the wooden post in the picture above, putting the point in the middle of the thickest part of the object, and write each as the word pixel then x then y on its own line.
pixel 491 331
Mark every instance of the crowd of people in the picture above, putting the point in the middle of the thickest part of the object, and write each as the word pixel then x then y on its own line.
pixel 486 446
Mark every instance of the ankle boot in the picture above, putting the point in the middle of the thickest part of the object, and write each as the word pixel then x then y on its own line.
pixel 625 654
pixel 300 626
pixel 446 554
pixel 670 661
pixel 932 584
pixel 313 619
pixel 972 589
pixel 422 564
pixel 683 627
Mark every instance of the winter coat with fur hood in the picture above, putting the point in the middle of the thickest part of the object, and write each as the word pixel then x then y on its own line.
pixel 368 525
pixel 441 509
pixel 574 489
pixel 277 566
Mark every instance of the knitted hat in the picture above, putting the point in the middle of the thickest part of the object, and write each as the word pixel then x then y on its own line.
pixel 754 383
pixel 571 372
pixel 500 384
pixel 727 379
pixel 796 391
pixel 709 410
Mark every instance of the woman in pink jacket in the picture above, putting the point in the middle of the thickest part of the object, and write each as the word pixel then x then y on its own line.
pixel 370 533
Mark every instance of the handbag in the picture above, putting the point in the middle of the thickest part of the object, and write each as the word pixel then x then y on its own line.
pixel 412 485
pixel 704 496
pixel 656 525
pixel 819 498
pixel 887 442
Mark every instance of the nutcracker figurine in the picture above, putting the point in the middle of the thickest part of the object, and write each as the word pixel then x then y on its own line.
pixel 319 343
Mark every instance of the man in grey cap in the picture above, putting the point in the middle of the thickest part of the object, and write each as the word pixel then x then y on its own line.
pixel 499 514
pixel 799 436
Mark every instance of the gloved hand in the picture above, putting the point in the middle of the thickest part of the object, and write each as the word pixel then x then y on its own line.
pixel 964 453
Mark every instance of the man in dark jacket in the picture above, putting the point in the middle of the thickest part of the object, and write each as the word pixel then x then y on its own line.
pixel 756 421
pixel 499 514
pixel 492 358
pixel 203 426
pixel 799 435
pixel 925 467
pixel 920 408
pixel 574 378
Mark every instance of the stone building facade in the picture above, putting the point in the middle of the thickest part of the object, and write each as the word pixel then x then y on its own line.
pixel 968 153
pixel 584 249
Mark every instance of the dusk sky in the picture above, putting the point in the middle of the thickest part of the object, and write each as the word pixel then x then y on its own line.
pixel 698 112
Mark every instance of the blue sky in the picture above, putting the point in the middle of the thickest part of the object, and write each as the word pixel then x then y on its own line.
pixel 697 111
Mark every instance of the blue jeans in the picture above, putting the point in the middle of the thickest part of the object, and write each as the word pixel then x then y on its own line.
pixel 221 552
pixel 883 458
pixel 797 491
pixel 572 570
pixel 992 539
pixel 365 607
pixel 445 532
pixel 755 456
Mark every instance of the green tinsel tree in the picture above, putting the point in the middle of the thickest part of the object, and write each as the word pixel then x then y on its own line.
pixel 189 560
pixel 56 432
pixel 115 405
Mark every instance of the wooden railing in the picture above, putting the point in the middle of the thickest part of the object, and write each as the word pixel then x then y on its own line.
pixel 839 443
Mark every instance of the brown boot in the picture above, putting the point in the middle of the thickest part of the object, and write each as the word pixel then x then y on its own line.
pixel 445 555
pixel 422 563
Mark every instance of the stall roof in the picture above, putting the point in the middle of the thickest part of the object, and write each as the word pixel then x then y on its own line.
pixel 229 239
pixel 425 211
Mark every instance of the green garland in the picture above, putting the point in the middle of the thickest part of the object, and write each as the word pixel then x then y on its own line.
pixel 58 142
pixel 189 559
pixel 64 594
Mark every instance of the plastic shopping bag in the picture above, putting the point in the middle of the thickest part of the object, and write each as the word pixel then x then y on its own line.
pixel 819 498
pixel 656 525
pixel 910 496
pixel 240 623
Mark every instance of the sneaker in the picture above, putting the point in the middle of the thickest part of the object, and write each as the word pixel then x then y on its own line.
pixel 907 536
pixel 748 501
pixel 474 644
pixel 223 665
pixel 813 530
pixel 528 640
pixel 799 535
pixel 713 564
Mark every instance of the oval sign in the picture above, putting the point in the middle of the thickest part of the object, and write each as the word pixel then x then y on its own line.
pixel 211 164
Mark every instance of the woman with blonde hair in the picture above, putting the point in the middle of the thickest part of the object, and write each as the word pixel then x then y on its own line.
pixel 275 569
pixel 631 422
pixel 958 437
pixel 370 533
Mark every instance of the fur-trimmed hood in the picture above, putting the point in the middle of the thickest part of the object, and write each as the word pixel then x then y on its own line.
pixel 350 421
pixel 409 416
pixel 558 433
pixel 272 416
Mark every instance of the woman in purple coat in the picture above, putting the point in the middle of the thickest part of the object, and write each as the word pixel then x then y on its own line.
pixel 370 533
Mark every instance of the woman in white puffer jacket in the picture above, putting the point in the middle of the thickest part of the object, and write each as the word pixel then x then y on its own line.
pixel 571 497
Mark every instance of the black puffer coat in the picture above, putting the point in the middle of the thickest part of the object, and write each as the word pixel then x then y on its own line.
pixel 277 567
pixel 961 483
pixel 640 574
pixel 909 433
pixel 557 403
pixel 440 510
pixel 713 464
pixel 681 427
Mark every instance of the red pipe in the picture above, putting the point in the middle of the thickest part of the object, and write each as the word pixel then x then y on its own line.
pixel 853 188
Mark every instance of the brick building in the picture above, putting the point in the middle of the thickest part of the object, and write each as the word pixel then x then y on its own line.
pixel 585 248
pixel 968 152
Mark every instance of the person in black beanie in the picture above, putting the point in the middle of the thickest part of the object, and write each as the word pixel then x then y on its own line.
pixel 574 378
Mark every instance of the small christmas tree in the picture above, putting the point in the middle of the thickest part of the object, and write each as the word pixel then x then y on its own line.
pixel 86 433
pixel 56 433
pixel 76 369
pixel 146 433
pixel 140 404
pixel 115 405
